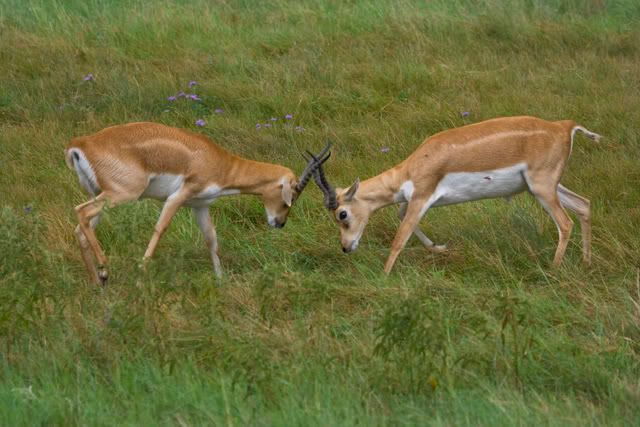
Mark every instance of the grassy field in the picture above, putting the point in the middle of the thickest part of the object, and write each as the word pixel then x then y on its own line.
pixel 297 333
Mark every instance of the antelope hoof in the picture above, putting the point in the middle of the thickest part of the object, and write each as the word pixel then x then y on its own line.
pixel 438 249
pixel 103 275
pixel 144 264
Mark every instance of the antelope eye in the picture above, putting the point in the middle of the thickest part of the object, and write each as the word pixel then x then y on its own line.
pixel 342 215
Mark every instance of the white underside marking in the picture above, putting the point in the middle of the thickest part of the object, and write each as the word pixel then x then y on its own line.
pixel 572 201
pixel 355 242
pixel 84 171
pixel 271 220
pixel 405 193
pixel 460 187
pixel 162 186
pixel 428 204
pixel 210 194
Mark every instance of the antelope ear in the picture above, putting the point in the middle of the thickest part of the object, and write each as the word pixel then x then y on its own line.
pixel 287 193
pixel 351 192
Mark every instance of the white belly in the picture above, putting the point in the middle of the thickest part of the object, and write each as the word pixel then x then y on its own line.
pixel 209 195
pixel 162 186
pixel 462 187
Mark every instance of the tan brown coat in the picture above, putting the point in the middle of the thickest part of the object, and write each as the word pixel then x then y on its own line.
pixel 494 158
pixel 150 160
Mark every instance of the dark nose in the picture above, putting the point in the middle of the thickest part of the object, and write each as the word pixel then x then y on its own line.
pixel 345 250
pixel 280 224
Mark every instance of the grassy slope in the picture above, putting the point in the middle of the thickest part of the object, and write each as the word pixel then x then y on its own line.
pixel 486 334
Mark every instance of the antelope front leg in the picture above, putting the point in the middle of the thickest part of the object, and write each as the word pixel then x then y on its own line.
pixel 206 226
pixel 428 243
pixel 169 209
pixel 414 211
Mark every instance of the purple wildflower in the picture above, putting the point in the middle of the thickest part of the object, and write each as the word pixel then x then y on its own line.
pixel 88 78
pixel 28 209
pixel 171 98
pixel 299 129
pixel 218 111
pixel 385 149
pixel 258 126
pixel 192 83
pixel 194 97
pixel 288 117
pixel 464 114
pixel 267 125
pixel 273 119
pixel 181 94
pixel 200 122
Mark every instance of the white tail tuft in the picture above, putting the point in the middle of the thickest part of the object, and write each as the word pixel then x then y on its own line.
pixel 77 160
pixel 587 133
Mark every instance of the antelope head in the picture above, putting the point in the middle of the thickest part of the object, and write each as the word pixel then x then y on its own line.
pixel 348 211
pixel 280 197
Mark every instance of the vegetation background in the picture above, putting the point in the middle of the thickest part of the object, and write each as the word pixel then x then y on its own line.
pixel 298 333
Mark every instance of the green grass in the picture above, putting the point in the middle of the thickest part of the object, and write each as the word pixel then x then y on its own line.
pixel 298 333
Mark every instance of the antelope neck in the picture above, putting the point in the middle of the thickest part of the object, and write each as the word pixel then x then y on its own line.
pixel 382 190
pixel 251 177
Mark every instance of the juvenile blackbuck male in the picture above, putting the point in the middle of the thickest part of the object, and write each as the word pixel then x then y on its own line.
pixel 150 160
pixel 495 158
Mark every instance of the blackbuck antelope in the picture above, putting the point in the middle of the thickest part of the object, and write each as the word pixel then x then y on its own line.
pixel 495 158
pixel 150 160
